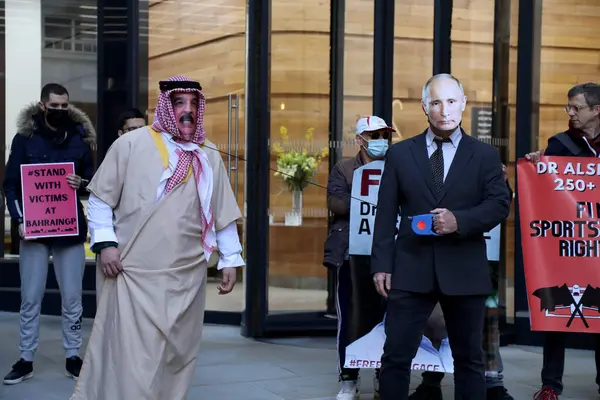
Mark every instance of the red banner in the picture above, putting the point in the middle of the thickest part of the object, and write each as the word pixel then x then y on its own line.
pixel 559 204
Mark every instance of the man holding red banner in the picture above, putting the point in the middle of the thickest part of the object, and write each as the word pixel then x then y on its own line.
pixel 582 139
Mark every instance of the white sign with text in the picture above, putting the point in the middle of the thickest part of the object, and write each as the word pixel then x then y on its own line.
pixel 365 190
pixel 366 353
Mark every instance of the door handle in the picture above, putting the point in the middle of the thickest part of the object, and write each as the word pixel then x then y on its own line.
pixel 237 142
pixel 229 136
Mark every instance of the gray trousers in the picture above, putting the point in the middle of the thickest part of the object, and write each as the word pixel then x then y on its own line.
pixel 69 264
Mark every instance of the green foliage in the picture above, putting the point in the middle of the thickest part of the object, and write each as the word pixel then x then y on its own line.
pixel 297 167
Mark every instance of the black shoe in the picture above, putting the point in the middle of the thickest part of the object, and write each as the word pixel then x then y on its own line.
pixel 73 367
pixel 427 393
pixel 498 393
pixel 20 371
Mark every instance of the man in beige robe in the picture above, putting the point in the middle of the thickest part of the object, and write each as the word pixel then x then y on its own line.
pixel 160 205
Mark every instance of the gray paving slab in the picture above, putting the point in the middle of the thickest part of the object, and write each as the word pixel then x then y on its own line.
pixel 231 367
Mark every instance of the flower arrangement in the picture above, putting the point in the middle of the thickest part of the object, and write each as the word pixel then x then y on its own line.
pixel 296 167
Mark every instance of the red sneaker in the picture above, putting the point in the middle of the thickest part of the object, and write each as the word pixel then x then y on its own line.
pixel 545 393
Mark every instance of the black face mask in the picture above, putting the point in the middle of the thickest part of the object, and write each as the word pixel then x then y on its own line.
pixel 56 117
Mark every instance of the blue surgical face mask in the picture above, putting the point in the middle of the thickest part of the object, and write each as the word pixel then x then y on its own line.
pixel 377 148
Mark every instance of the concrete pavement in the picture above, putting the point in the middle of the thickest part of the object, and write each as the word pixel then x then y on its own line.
pixel 231 367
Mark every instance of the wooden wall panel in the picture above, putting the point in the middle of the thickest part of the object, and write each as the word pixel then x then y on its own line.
pixel 178 24
pixel 300 63
pixel 472 22
pixel 288 258
pixel 305 16
pixel 358 66
pixel 472 63
pixel 571 24
pixel 563 68
pixel 219 66
pixel 414 19
pixel 570 55
pixel 359 18
pixel 413 64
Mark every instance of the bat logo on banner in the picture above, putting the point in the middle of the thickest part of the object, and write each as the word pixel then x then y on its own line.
pixel 555 297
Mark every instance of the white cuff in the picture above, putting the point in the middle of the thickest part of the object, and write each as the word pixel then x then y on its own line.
pixel 230 249
pixel 231 261
pixel 103 235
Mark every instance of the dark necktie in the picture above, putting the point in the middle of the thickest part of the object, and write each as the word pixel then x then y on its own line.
pixel 436 161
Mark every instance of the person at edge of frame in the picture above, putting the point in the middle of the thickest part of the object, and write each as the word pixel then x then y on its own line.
pixel 50 131
pixel 130 120
pixel 581 139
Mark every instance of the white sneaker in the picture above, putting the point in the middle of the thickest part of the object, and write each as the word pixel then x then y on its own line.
pixel 376 387
pixel 349 390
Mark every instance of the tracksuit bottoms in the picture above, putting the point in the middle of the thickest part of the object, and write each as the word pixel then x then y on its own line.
pixel 69 264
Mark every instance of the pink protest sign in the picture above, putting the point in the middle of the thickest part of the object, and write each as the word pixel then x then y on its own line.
pixel 49 203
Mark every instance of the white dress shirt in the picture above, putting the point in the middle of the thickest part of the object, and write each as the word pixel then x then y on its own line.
pixel 102 229
pixel 448 149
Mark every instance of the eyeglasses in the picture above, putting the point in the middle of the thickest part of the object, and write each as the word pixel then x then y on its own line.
pixel 131 128
pixel 376 135
pixel 575 109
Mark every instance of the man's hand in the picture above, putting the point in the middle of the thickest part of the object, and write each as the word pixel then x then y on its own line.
pixel 110 260
pixel 22 231
pixel 74 181
pixel 228 280
pixel 535 156
pixel 444 222
pixel 383 283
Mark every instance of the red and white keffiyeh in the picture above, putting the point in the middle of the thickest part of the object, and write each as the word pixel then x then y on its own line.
pixel 190 153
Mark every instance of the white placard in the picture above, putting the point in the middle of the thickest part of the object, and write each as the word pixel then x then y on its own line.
pixel 492 242
pixel 365 191
pixel 366 353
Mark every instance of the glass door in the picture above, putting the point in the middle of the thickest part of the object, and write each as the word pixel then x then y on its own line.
pixel 223 122
pixel 212 52
pixel 297 279
pixel 484 50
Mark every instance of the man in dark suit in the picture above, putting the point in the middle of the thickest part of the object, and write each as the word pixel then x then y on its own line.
pixel 459 179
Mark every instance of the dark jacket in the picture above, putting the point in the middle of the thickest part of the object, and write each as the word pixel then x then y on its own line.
pixel 35 143
pixel 557 148
pixel 474 191
pixel 339 190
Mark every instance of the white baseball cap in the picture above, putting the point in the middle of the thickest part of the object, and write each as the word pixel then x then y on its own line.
pixel 370 124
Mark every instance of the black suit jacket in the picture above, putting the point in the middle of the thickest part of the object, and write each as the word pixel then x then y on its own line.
pixel 475 192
